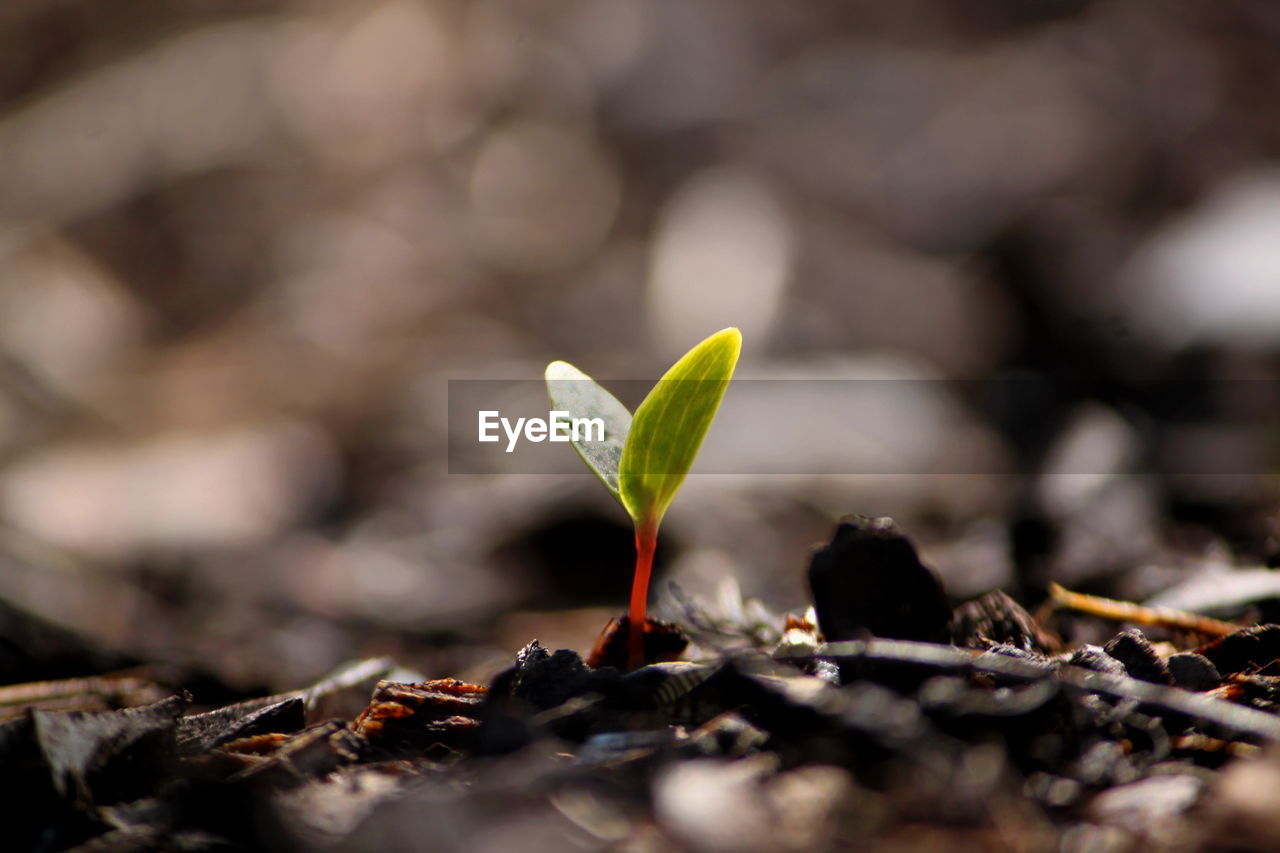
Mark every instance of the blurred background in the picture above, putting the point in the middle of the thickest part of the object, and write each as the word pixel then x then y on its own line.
pixel 245 244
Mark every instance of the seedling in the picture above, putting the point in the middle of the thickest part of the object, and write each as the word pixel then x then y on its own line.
pixel 644 459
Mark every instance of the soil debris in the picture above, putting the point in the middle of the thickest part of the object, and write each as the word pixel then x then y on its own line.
pixel 869 580
pixel 998 731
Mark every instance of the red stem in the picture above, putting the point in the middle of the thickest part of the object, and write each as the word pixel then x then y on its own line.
pixel 646 541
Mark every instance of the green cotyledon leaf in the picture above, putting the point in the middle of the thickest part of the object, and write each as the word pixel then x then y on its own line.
pixel 575 392
pixel 669 426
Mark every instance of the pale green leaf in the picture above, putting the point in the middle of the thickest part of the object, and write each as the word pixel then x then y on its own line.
pixel 670 424
pixel 575 392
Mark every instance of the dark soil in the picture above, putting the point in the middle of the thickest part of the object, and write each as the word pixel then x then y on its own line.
pixel 883 734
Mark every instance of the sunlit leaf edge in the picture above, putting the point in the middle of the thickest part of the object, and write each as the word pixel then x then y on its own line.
pixel 573 391
pixel 646 489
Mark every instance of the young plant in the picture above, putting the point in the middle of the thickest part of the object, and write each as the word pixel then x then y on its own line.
pixel 644 459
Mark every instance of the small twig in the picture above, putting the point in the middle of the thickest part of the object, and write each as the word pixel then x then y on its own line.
pixel 1204 743
pixel 108 689
pixel 92 693
pixel 1125 611
pixel 349 676
pixel 345 677
pixel 1230 717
